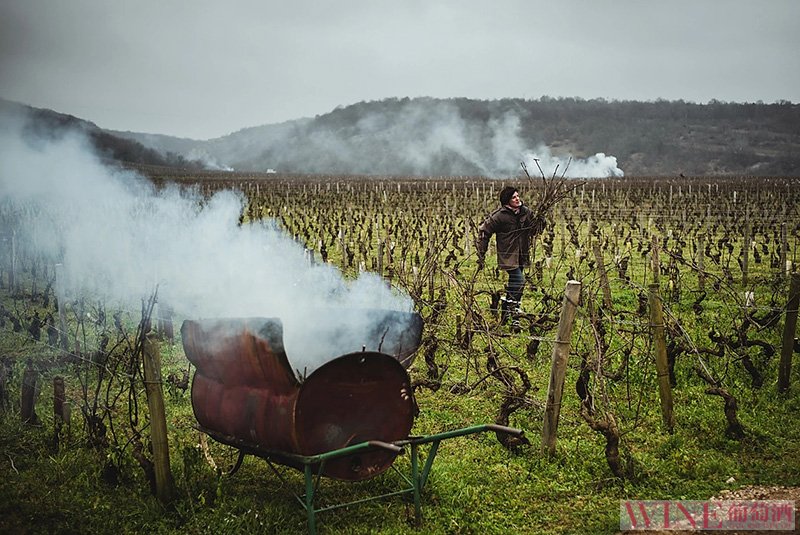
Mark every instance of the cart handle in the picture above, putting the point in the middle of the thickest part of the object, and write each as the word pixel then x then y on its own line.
pixel 459 433
pixel 385 445
pixel 507 430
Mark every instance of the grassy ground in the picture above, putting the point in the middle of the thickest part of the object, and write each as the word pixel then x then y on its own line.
pixel 476 486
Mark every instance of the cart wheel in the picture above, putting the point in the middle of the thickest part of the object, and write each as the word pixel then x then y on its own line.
pixel 221 457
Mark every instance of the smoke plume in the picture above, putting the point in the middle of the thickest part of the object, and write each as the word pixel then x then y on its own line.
pixel 508 147
pixel 413 137
pixel 118 238
pixel 597 166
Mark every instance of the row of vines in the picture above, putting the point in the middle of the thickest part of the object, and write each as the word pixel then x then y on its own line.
pixel 721 252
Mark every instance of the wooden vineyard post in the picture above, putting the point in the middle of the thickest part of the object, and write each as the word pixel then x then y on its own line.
pixel 746 252
pixel 342 247
pixel 166 328
pixel 789 328
pixel 3 387
pixel 467 238
pixel 558 370
pixel 662 367
pixel 380 257
pixel 784 249
pixel 59 397
pixel 601 269
pixel 33 279
pixel 432 272
pixel 28 401
pixel 701 264
pixel 158 422
pixel 62 308
pixel 656 259
pixel 12 274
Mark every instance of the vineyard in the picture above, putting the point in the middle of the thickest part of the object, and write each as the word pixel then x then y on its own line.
pixel 678 381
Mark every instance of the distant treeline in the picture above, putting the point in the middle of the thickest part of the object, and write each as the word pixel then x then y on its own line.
pixel 460 136
pixel 42 124
pixel 647 138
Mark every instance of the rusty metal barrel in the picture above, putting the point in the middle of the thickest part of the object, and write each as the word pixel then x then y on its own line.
pixel 245 391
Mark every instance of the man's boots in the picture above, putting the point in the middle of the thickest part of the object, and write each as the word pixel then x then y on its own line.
pixel 509 309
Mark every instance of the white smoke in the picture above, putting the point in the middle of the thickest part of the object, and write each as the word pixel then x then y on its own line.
pixel 447 132
pixel 209 162
pixel 508 150
pixel 118 239
pixel 507 145
pixel 425 136
pixel 597 166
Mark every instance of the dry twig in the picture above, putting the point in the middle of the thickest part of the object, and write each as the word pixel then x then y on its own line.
pixel 554 189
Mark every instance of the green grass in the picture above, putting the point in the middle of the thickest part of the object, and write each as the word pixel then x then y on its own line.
pixel 476 486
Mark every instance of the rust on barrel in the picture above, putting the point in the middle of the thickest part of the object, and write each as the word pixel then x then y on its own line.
pixel 245 387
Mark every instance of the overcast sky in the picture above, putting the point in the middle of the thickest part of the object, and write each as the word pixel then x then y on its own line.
pixel 205 68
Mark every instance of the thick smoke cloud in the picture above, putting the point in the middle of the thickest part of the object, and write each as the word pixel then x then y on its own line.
pixel 118 239
pixel 508 147
pixel 416 137
pixel 598 166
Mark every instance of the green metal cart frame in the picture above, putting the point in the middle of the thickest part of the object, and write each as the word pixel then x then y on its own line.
pixel 416 480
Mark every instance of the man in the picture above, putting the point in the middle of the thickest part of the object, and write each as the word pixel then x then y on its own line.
pixel 514 224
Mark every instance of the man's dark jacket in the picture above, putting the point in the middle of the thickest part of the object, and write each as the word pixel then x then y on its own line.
pixel 514 232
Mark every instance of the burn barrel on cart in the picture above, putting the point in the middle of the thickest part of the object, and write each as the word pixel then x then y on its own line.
pixel 245 391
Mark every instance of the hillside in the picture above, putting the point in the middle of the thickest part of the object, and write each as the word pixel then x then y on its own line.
pixel 42 123
pixel 427 136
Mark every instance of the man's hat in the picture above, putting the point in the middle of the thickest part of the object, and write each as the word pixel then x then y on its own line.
pixel 506 193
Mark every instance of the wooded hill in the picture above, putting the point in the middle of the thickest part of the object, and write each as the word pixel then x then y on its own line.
pixel 41 124
pixel 427 136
